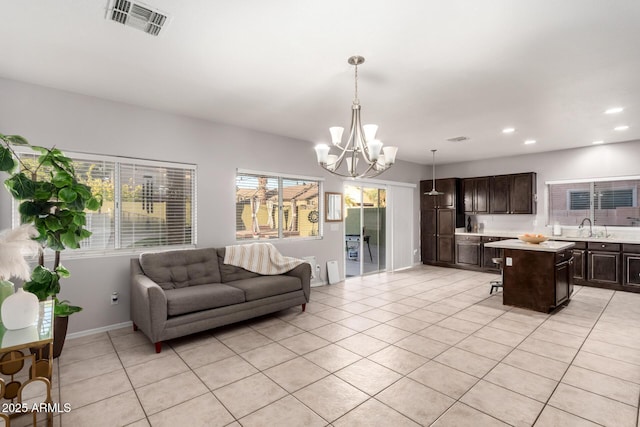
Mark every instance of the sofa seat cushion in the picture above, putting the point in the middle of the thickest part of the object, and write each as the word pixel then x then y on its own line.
pixel 181 268
pixel 230 273
pixel 204 297
pixel 267 286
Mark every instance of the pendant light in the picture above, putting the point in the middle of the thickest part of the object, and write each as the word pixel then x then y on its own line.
pixel 433 191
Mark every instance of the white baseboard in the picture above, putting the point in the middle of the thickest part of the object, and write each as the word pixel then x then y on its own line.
pixel 99 330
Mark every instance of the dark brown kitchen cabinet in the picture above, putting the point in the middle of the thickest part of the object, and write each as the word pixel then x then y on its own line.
pixel 513 194
pixel 564 280
pixel 476 195
pixel 468 250
pixel 579 263
pixel 446 249
pixel 440 216
pixel 537 280
pixel 631 265
pixel 488 254
pixel 604 262
pixel 428 236
pixel 446 228
pixel 449 199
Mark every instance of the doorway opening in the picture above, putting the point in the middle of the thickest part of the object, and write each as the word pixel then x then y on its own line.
pixel 365 229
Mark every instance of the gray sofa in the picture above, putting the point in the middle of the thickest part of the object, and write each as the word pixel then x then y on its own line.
pixel 181 292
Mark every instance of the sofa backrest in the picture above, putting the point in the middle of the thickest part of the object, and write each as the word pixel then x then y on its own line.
pixel 229 273
pixel 181 268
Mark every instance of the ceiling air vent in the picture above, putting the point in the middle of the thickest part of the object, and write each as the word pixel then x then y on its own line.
pixel 136 15
pixel 459 139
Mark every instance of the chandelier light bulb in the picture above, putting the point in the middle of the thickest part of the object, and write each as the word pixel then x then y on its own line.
pixel 336 134
pixel 322 152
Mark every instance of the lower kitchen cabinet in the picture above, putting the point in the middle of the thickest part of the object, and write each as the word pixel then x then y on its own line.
pixel 488 254
pixel 631 265
pixel 604 262
pixel 580 261
pixel 446 249
pixel 468 250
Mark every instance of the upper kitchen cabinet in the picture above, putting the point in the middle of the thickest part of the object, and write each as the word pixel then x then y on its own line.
pixel 449 199
pixel 476 195
pixel 513 194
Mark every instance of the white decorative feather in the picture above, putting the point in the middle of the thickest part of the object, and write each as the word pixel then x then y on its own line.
pixel 15 245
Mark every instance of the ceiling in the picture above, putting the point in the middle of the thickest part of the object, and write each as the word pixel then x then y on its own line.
pixel 434 69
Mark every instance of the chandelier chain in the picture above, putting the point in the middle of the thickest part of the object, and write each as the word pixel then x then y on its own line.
pixel 356 101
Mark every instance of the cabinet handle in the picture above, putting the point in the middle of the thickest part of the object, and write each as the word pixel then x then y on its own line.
pixel 603 245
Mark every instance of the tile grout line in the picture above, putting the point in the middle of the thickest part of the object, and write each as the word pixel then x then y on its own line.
pixel 573 359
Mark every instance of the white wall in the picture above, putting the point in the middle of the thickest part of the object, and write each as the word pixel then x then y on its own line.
pixel 80 123
pixel 608 160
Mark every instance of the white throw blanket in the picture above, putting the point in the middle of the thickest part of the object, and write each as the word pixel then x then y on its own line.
pixel 261 258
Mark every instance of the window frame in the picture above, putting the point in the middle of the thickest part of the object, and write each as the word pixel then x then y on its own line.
pixel 280 178
pixel 117 162
pixel 593 206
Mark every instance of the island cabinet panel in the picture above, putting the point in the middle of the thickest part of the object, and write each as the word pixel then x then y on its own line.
pixel 468 250
pixel 536 280
pixel 604 263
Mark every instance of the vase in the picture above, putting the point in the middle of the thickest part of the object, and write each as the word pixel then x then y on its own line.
pixel 20 310
pixel 6 290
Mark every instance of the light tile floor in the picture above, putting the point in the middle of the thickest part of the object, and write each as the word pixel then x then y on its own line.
pixel 426 346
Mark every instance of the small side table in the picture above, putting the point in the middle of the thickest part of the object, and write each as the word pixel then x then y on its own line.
pixel 26 367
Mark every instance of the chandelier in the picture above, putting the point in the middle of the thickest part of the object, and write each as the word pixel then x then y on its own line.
pixel 362 143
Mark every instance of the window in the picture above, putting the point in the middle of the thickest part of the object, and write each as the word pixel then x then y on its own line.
pixel 269 206
pixel 145 203
pixel 610 202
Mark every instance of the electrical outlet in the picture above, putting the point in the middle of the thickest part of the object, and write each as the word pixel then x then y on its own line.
pixel 509 262
pixel 114 298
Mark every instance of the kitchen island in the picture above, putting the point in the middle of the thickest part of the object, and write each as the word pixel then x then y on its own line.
pixel 536 276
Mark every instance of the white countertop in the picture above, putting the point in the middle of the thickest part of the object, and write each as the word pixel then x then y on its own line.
pixel 548 246
pixel 629 238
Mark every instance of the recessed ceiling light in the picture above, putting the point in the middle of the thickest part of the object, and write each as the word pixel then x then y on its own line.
pixel 508 130
pixel 623 127
pixel 530 141
pixel 614 110
pixel 597 142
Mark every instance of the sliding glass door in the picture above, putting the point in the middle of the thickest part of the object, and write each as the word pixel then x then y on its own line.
pixel 365 230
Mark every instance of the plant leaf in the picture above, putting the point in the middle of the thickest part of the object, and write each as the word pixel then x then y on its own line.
pixel 14 139
pixel 7 164
pixel 62 179
pixel 62 271
pixel 67 195
pixel 20 186
pixel 53 223
pixel 93 204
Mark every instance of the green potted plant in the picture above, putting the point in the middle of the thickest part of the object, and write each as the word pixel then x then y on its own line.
pixel 50 197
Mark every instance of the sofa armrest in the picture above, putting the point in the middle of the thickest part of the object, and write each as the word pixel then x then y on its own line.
pixel 303 272
pixel 148 303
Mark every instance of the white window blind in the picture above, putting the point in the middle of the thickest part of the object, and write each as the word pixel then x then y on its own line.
pixel 274 207
pixel 145 203
pixel 612 202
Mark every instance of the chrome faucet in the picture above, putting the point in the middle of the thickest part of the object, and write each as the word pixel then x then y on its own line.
pixel 590 226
